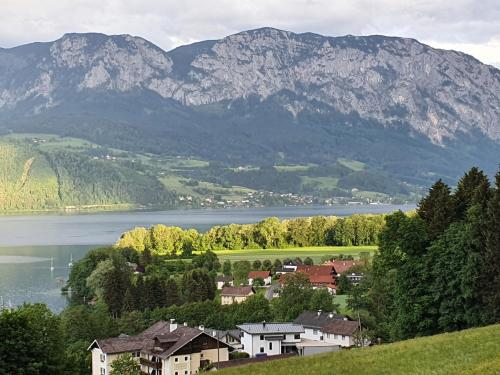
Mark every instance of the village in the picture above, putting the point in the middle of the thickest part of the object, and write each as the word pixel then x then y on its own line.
pixel 175 348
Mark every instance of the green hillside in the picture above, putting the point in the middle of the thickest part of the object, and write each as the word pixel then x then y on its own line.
pixel 470 352
pixel 40 174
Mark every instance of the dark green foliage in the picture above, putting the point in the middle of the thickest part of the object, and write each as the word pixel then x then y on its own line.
pixel 226 268
pixel 172 293
pixel 438 271
pixel 267 265
pixel 240 271
pixel 256 265
pixel 437 209
pixel 125 365
pixel 31 342
pixel 197 285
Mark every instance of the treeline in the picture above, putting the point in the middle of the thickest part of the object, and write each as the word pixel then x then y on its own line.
pixel 268 233
pixel 438 270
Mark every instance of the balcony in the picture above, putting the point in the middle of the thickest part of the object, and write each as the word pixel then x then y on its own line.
pixel 150 364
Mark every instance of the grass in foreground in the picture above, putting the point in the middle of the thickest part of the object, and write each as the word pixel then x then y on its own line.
pixel 470 352
pixel 316 253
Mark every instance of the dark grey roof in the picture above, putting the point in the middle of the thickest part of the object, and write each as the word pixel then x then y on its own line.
pixel 123 344
pixel 237 291
pixel 315 319
pixel 270 328
pixel 224 279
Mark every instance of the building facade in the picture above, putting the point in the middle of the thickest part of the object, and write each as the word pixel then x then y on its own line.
pixel 267 339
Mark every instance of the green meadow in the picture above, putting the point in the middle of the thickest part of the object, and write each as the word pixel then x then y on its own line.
pixel 470 352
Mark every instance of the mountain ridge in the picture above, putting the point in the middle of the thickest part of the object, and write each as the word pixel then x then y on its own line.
pixel 262 96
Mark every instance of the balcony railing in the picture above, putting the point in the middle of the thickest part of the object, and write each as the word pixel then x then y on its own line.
pixel 151 364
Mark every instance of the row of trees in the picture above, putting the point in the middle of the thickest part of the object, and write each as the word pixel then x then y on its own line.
pixel 268 233
pixel 438 270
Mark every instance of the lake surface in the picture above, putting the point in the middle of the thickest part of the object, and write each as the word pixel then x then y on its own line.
pixel 29 244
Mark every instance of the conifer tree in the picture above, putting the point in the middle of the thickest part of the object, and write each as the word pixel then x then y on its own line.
pixel 491 265
pixel 172 293
pixel 437 209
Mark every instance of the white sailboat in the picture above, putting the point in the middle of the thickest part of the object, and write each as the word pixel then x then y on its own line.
pixel 52 264
pixel 70 264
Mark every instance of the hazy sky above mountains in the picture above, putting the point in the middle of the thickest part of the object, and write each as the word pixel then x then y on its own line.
pixel 469 26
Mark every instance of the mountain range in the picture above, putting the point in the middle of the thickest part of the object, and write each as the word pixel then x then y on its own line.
pixel 263 97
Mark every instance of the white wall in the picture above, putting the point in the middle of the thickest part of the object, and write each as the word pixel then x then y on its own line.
pixel 253 343
pixel 330 338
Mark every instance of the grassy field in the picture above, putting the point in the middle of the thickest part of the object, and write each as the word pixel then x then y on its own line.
pixel 470 352
pixel 313 252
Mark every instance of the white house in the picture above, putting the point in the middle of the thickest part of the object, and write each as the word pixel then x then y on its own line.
pixel 223 281
pixel 264 275
pixel 261 339
pixel 329 328
pixel 163 349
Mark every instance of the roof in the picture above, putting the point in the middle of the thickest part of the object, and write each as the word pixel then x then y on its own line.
pixel 270 328
pixel 234 333
pixel 317 270
pixel 222 278
pixel 342 327
pixel 259 274
pixel 180 337
pixel 318 319
pixel 124 343
pixel 237 291
pixel 342 266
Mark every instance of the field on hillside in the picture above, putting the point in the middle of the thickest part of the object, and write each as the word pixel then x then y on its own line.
pixel 470 352
pixel 316 253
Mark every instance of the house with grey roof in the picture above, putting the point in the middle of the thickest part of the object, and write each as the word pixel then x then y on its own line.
pixel 329 328
pixel 164 348
pixel 267 339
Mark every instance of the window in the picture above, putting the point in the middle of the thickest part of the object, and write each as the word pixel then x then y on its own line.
pixel 103 371
pixel 243 347
pixel 315 331
pixel 103 357
pixel 297 336
pixel 327 335
pixel 262 337
pixel 201 355
pixel 186 358
pixel 343 337
pixel 185 372
pixel 176 359
pixel 270 346
pixel 176 373
pixel 262 349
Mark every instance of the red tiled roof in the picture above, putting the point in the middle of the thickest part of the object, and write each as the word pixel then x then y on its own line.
pixel 342 266
pixel 318 275
pixel 259 274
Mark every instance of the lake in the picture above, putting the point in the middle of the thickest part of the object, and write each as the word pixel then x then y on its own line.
pixel 29 244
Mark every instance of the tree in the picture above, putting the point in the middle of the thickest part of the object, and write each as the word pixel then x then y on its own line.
pixel 226 267
pixel 125 364
pixel 321 299
pixel 437 209
pixel 308 261
pixel 240 271
pixel 256 265
pixel 294 298
pixel 32 341
pixel 491 262
pixel 197 286
pixel 172 292
pixel 259 281
pixel 207 260
pixel 267 265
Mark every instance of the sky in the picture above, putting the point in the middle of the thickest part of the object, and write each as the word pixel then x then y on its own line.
pixel 469 26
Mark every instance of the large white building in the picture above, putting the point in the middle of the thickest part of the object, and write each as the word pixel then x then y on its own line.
pixel 163 349
pixel 261 339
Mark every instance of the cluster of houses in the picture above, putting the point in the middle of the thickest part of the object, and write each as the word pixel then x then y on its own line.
pixel 167 348
pixel 320 276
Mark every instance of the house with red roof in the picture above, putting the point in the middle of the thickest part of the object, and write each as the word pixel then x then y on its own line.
pixel 264 275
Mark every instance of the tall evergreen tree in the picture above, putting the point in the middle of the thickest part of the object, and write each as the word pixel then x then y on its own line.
pixel 491 265
pixel 172 293
pixel 466 189
pixel 437 209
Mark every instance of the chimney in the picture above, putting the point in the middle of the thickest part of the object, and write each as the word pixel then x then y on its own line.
pixel 185 324
pixel 264 324
pixel 319 312
pixel 330 315
pixel 201 327
pixel 173 325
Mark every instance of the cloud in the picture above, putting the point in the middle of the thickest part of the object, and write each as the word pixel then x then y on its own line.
pixel 464 25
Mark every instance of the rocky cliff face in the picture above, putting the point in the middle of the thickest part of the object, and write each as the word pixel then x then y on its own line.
pixel 392 81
